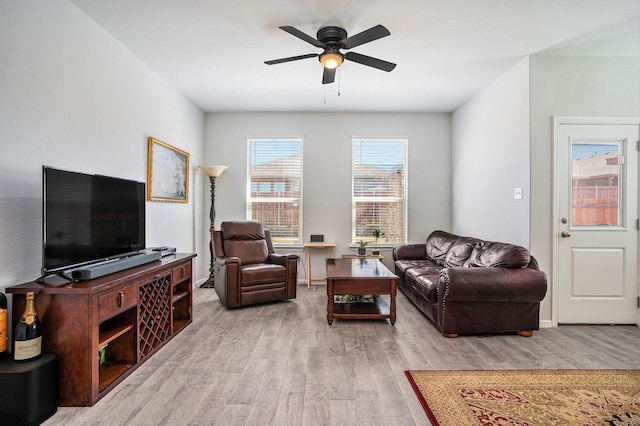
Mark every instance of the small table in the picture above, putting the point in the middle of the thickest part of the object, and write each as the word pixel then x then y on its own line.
pixel 360 277
pixel 308 247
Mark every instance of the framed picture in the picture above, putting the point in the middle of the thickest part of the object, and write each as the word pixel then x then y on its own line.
pixel 167 173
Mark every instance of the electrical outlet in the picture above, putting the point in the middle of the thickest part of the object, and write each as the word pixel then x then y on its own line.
pixel 517 194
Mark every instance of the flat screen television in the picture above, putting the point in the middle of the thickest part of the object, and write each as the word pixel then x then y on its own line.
pixel 89 218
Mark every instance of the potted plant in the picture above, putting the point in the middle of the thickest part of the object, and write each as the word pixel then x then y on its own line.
pixel 362 248
pixel 377 234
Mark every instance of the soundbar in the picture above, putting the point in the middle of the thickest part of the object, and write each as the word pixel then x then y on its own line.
pixel 113 265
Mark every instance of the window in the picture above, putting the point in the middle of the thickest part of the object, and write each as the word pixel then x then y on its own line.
pixel 596 183
pixel 379 190
pixel 275 188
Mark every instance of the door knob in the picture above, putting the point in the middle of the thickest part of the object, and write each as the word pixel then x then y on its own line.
pixel 565 234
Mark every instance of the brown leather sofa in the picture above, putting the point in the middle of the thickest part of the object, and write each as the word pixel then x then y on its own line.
pixel 466 285
pixel 247 270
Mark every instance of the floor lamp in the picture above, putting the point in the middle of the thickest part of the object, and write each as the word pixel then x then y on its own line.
pixel 213 172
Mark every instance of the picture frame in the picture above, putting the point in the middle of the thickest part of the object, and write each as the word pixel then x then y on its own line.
pixel 167 172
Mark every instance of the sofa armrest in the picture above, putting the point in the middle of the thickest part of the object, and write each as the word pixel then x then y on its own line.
pixel 410 252
pixel 227 280
pixel 290 262
pixel 227 269
pixel 491 284
pixel 281 259
pixel 227 260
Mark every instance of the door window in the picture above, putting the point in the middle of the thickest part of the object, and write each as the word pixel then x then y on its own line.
pixel 596 180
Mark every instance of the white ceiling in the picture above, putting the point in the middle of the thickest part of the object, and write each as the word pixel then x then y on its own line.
pixel 213 51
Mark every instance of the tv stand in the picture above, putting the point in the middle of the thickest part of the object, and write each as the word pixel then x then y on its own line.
pixel 102 329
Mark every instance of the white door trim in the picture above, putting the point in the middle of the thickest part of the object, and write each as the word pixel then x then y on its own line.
pixel 557 122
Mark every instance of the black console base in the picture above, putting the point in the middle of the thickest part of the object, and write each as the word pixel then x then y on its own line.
pixel 28 390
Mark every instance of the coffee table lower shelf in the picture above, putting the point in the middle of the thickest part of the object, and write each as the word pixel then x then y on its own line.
pixel 376 310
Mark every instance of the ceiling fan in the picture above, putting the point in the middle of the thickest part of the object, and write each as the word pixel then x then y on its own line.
pixel 332 40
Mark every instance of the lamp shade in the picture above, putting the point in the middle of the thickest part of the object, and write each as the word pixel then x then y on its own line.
pixel 213 171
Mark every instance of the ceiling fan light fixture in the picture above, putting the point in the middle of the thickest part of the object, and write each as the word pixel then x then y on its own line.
pixel 331 59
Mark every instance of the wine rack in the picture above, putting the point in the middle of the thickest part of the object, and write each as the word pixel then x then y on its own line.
pixel 154 313
pixel 101 330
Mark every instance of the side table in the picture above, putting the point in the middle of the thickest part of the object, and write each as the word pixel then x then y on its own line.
pixel 28 390
pixel 308 247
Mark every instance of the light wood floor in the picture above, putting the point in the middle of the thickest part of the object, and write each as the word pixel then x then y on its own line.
pixel 282 364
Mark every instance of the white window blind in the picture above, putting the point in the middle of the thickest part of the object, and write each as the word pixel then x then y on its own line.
pixel 379 190
pixel 275 187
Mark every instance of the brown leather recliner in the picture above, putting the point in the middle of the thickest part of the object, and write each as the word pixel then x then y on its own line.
pixel 247 270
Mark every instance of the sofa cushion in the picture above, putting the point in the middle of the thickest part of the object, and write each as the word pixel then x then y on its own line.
pixel 427 286
pixel 245 240
pixel 460 251
pixel 242 230
pixel 402 266
pixel 248 251
pixel 438 244
pixel 488 253
pixel 263 273
pixel 412 274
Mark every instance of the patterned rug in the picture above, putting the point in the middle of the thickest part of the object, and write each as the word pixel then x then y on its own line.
pixel 529 397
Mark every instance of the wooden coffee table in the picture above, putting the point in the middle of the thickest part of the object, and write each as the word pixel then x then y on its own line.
pixel 358 277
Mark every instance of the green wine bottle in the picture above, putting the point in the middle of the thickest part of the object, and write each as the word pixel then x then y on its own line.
pixel 28 336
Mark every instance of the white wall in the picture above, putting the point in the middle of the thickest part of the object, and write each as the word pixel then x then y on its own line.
pixel 327 167
pixel 72 97
pixel 490 158
pixel 570 86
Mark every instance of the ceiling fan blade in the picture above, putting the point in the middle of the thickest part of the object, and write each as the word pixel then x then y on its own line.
pixel 292 58
pixel 328 76
pixel 369 61
pixel 302 36
pixel 366 36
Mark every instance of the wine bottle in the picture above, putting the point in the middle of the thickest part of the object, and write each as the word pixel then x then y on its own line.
pixel 28 337
pixel 3 325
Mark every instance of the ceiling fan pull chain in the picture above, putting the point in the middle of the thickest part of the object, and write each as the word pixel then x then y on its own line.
pixel 339 80
pixel 324 87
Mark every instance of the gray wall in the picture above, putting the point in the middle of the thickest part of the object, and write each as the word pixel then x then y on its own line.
pixel 490 158
pixel 74 98
pixel 327 167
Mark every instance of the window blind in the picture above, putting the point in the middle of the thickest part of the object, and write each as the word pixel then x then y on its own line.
pixel 379 170
pixel 275 187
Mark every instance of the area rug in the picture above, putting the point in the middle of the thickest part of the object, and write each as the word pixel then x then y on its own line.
pixel 529 397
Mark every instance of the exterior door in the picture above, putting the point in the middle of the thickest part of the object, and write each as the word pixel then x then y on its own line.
pixel 597 236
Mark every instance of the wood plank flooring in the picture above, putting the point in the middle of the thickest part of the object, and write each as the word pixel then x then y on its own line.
pixel 282 364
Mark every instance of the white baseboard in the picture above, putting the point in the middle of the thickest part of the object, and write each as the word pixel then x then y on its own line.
pixel 199 282
pixel 547 324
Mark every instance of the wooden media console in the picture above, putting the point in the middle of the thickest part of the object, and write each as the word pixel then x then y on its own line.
pixel 101 330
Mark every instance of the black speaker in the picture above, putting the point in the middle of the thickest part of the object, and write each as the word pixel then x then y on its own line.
pixel 317 238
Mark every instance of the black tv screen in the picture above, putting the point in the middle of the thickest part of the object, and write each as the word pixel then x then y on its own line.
pixel 89 218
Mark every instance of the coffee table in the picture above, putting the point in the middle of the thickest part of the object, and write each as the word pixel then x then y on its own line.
pixel 360 277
